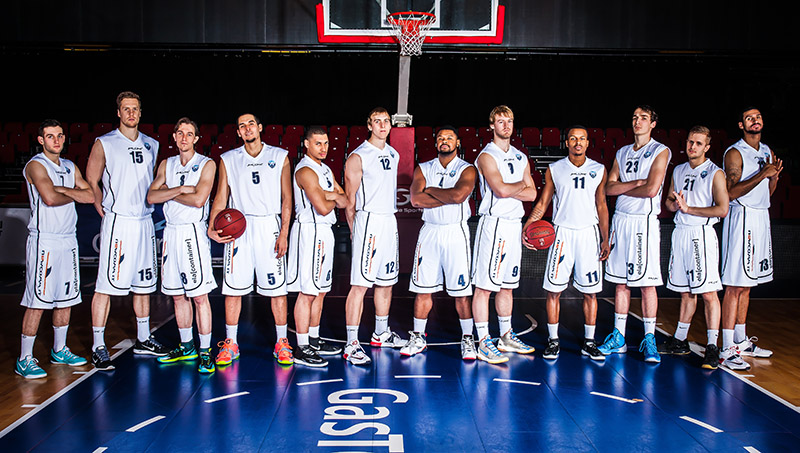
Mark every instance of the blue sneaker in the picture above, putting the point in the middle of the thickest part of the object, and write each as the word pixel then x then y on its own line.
pixel 66 357
pixel 613 344
pixel 648 347
pixel 29 368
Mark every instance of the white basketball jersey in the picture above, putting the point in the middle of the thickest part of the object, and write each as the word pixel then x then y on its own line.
pixel 378 190
pixel 128 173
pixel 304 210
pixel 184 175
pixel 636 164
pixel 52 219
pixel 255 182
pixel 696 185
pixel 752 162
pixel 445 178
pixel 574 202
pixel 511 164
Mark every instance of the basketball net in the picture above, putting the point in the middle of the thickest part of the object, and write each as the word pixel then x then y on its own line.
pixel 410 29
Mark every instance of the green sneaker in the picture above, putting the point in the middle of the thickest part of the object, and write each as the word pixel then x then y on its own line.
pixel 66 357
pixel 184 351
pixel 206 365
pixel 29 368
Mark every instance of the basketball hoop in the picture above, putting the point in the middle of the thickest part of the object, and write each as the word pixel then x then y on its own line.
pixel 410 29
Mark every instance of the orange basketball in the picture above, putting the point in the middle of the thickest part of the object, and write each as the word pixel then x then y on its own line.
pixel 540 234
pixel 231 222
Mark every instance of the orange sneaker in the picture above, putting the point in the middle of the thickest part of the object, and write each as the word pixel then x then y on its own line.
pixel 283 352
pixel 228 352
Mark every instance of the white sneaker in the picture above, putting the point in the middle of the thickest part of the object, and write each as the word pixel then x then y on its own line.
pixel 354 353
pixel 416 343
pixel 386 339
pixel 748 348
pixel 468 348
pixel 729 358
pixel 488 352
pixel 509 342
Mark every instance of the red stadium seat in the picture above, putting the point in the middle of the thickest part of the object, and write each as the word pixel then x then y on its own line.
pixel 531 136
pixel 102 128
pixel 76 130
pixel 274 128
pixel 617 137
pixel 209 130
pixel 486 134
pixel 551 137
pixel 147 129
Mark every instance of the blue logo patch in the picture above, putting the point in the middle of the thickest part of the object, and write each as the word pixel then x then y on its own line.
pixel 519 156
pixel 195 167
pixel 147 146
pixel 592 173
pixel 704 174
pixel 271 164
pixel 68 170
pixel 391 153
pixel 648 154
pixel 452 173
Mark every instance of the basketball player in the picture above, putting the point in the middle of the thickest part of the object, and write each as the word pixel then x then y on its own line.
pixel 505 182
pixel 311 242
pixel 54 185
pixel 576 184
pixel 636 178
pixel 183 183
pixel 370 178
pixel 256 179
pixel 698 196
pixel 124 159
pixel 751 174
pixel 441 187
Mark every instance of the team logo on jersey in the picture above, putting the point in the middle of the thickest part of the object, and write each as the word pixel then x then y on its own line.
pixel 391 153
pixel 67 170
pixel 648 154
pixel 195 167
pixel 519 156
pixel 703 174
pixel 146 145
pixel 452 173
pixel 592 173
pixel 271 164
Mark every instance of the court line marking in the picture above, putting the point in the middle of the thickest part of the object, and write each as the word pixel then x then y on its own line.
pixel 69 387
pixel 513 381
pixel 29 405
pixel 225 397
pixel 124 344
pixel 618 398
pixel 79 372
pixel 751 450
pixel 325 381
pixel 417 376
pixel 699 423
pixel 731 372
pixel 100 449
pixel 149 421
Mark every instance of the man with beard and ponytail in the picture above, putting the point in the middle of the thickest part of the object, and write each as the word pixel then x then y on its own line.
pixel 441 187
pixel 255 179
pixel 751 175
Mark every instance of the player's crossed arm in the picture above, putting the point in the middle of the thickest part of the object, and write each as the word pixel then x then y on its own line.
pixel 53 195
pixel 523 190
pixel 160 193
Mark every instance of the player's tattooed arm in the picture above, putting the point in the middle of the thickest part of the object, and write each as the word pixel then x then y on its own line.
pixel 733 174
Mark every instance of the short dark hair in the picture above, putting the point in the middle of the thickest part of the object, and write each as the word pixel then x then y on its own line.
pixel 315 130
pixel 577 126
pixel 649 110
pixel 258 121
pixel 745 110
pixel 446 127
pixel 186 120
pixel 128 95
pixel 49 123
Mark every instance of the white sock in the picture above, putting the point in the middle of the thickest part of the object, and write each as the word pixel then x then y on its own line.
pixel 27 346
pixel 281 331
pixel 588 332
pixel 649 325
pixel 682 331
pixel 313 331
pixel 727 338
pixel 302 339
pixel 483 329
pixel 98 337
pixel 419 325
pixel 205 340
pixel 739 334
pixel 186 334
pixel 505 324
pixel 59 337
pixel 713 335
pixel 231 331
pixel 143 328
pixel 466 326
pixel 352 333
pixel 381 324
pixel 552 331
pixel 620 322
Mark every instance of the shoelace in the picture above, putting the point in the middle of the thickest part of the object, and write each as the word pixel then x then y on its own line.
pixel 650 346
pixel 102 353
pixel 489 344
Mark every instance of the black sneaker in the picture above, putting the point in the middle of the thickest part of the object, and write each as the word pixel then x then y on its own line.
pixel 674 346
pixel 589 348
pixel 552 349
pixel 307 356
pixel 151 346
pixel 711 358
pixel 322 347
pixel 101 359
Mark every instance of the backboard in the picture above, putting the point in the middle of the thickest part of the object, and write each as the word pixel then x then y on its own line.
pixel 364 21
